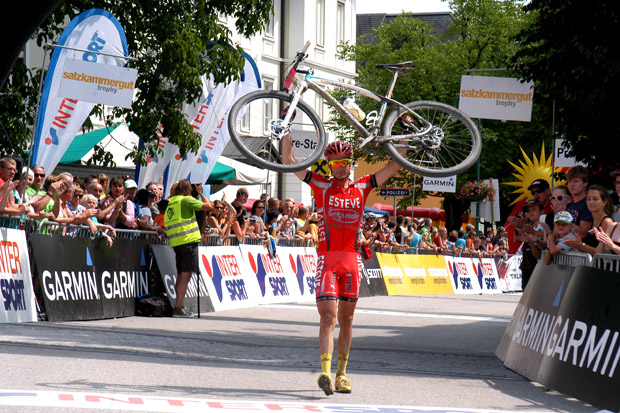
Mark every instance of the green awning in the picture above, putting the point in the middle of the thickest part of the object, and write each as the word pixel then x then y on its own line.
pixel 221 173
pixel 83 143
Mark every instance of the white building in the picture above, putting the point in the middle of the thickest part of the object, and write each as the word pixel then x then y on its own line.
pixel 325 23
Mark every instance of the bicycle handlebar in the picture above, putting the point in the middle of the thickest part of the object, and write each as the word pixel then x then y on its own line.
pixel 303 50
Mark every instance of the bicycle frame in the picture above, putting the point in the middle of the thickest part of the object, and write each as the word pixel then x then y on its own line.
pixel 318 85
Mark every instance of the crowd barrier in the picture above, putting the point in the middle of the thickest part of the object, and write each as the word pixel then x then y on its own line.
pixel 564 333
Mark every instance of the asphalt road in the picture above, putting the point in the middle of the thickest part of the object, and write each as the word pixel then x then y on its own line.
pixel 423 351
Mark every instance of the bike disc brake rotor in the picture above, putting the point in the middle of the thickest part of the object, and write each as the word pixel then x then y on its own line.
pixel 432 140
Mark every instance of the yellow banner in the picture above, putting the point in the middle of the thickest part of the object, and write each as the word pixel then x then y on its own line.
pixel 426 274
pixel 393 275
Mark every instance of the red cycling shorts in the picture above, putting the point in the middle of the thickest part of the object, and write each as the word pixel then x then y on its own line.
pixel 338 276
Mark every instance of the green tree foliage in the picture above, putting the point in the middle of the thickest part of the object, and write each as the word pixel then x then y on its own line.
pixel 571 50
pixel 480 37
pixel 169 40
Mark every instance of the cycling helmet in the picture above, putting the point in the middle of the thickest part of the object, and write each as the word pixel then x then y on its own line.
pixel 338 149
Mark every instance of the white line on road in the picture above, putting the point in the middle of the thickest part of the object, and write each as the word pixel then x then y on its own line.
pixel 401 313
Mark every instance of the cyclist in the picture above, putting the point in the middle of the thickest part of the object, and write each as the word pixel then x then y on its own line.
pixel 340 206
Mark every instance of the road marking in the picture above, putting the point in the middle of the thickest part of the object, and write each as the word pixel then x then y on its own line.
pixel 401 313
pixel 156 403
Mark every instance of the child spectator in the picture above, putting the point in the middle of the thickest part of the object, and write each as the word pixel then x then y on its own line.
pixel 562 230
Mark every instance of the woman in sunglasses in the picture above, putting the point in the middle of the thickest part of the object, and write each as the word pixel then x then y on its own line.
pixel 560 197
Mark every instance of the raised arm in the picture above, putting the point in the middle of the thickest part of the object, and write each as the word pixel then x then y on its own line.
pixel 288 157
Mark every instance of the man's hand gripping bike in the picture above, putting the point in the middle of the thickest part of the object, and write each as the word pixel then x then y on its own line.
pixel 440 139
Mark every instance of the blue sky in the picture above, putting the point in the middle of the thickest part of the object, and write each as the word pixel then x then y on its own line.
pixel 396 6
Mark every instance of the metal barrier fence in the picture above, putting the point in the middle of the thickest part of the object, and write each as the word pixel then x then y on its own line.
pixel 608 262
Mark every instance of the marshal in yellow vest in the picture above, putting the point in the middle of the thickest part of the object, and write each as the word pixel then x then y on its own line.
pixel 179 229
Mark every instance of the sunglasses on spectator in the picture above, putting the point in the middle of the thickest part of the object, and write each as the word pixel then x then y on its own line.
pixel 39 175
pixel 260 207
pixel 559 197
pixel 78 195
pixel 340 162
pixel 538 191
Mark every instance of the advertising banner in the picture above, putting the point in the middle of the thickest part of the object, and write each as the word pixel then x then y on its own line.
pixel 487 276
pixel 84 279
pixel 463 275
pixel 231 283
pixel 209 118
pixel 280 278
pixel 372 282
pixel 426 274
pixel 18 300
pixel 59 118
pixel 105 84
pixel 165 261
pixel 500 98
pixel 393 275
pixel 447 184
pixel 509 273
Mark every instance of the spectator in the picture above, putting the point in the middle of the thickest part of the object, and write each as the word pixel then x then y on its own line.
pixel 300 222
pixel 615 194
pixel 501 249
pixel 241 222
pixel 451 243
pixel 287 224
pixel 159 192
pixel 531 245
pixel 104 181
pixel 256 219
pixel 145 199
pixel 460 241
pixel 131 189
pixel 104 231
pixel 74 204
pixel 542 194
pixel 577 178
pixel 273 203
pixel 122 216
pixel 560 197
pixel 36 188
pixel 501 233
pixel 219 222
pixel 90 179
pixel 426 225
pixel 396 246
pixel 242 196
pixel 562 231
pixel 600 206
pixel 470 246
pixel 426 243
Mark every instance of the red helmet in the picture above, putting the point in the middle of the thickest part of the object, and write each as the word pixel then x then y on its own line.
pixel 337 149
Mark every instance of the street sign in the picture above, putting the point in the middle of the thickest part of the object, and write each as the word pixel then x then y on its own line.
pixel 394 192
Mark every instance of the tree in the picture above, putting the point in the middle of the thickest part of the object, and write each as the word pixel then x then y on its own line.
pixel 169 39
pixel 571 51
pixel 480 37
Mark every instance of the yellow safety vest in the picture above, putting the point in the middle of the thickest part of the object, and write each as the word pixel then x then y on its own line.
pixel 178 229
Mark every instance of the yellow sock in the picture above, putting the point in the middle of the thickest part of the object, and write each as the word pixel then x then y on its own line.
pixel 326 363
pixel 342 364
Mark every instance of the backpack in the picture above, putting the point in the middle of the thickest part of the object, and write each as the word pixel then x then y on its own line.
pixel 151 306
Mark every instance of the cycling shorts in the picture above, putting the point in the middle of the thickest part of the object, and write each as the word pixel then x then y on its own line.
pixel 338 276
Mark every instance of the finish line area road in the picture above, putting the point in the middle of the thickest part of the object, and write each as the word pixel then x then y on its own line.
pixel 409 354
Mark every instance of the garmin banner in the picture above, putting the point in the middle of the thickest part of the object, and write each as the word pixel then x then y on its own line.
pixel 60 117
pixel 18 300
pixel 84 279
pixel 565 333
pixel 165 267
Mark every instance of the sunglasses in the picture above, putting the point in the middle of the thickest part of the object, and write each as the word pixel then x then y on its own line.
pixel 78 195
pixel 219 207
pixel 559 197
pixel 538 191
pixel 340 162
pixel 39 175
pixel 260 207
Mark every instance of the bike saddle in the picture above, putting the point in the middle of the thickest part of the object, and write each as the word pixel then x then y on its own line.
pixel 401 68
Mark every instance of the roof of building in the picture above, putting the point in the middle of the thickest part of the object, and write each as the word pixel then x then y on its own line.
pixel 366 22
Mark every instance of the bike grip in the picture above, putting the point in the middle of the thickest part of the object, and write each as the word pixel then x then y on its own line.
pixel 303 50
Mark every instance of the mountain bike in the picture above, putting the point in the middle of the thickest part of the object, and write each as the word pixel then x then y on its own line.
pixel 440 139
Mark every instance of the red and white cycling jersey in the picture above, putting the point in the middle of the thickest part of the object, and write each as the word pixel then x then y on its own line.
pixel 340 210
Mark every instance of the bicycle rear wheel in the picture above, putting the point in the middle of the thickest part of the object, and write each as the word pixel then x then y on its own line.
pixel 451 146
pixel 254 124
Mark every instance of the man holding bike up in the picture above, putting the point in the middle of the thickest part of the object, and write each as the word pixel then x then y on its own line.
pixel 340 206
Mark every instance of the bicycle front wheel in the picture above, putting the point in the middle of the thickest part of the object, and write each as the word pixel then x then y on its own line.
pixel 450 145
pixel 256 127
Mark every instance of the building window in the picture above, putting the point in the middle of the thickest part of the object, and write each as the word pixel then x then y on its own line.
pixel 320 22
pixel 340 23
pixel 268 110
pixel 269 27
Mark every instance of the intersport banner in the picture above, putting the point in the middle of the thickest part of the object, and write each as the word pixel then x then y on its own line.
pixel 209 119
pixel 17 301
pixel 60 118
